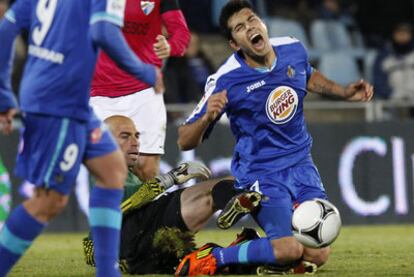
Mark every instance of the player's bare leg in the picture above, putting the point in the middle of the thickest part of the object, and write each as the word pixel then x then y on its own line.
pixel 197 205
pixel 316 256
pixel 45 204
pixel 104 210
pixel 149 166
pixel 110 170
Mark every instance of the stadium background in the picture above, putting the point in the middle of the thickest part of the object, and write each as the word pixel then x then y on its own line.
pixel 364 152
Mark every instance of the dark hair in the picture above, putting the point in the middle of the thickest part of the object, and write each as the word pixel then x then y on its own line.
pixel 228 11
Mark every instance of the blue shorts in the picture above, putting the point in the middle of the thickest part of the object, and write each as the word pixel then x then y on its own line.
pixel 289 186
pixel 53 148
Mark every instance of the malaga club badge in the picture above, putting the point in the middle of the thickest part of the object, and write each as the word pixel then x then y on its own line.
pixel 147 7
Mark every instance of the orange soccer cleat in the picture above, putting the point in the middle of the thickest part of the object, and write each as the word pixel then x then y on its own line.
pixel 199 262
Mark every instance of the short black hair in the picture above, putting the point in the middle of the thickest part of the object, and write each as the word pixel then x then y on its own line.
pixel 228 11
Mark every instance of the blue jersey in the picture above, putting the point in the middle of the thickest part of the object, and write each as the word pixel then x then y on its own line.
pixel 265 109
pixel 61 55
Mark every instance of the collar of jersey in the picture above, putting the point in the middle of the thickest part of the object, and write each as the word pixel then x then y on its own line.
pixel 258 69
pixel 265 69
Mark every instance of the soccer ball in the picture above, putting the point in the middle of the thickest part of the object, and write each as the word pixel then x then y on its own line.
pixel 316 223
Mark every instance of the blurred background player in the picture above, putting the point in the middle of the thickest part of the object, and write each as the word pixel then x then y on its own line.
pixel 61 130
pixel 266 82
pixel 156 233
pixel 116 92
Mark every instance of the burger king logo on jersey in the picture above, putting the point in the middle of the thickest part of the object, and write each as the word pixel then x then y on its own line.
pixel 282 104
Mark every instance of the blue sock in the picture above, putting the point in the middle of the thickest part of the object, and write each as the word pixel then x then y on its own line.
pixel 105 222
pixel 16 237
pixel 250 252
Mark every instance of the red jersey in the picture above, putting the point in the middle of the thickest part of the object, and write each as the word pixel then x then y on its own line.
pixel 142 23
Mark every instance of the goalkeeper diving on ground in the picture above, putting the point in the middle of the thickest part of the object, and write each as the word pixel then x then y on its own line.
pixel 157 232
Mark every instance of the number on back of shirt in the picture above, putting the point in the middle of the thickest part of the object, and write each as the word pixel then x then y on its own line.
pixel 45 12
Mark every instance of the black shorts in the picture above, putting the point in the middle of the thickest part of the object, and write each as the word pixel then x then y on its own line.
pixel 137 233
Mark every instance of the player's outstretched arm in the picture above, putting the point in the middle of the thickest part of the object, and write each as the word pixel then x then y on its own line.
pixel 357 91
pixel 109 37
pixel 154 187
pixel 8 33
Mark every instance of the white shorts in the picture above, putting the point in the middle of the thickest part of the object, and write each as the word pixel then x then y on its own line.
pixel 146 108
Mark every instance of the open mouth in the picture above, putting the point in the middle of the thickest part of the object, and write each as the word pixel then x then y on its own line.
pixel 257 40
pixel 133 155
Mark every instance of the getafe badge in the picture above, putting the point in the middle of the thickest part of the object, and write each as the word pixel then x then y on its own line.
pixel 147 7
pixel 290 72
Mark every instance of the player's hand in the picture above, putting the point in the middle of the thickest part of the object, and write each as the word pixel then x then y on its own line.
pixel 183 173
pixel 6 121
pixel 189 170
pixel 215 105
pixel 360 91
pixel 145 194
pixel 88 251
pixel 159 83
pixel 162 48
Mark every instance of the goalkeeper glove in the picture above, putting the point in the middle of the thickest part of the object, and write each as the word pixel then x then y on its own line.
pixel 145 194
pixel 154 187
pixel 183 173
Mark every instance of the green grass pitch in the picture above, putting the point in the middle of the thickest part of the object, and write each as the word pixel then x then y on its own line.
pixel 380 250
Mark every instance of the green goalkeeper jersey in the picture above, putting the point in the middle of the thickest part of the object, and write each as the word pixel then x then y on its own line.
pixel 132 184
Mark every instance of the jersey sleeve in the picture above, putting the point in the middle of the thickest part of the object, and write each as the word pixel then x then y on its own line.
pixel 309 70
pixel 178 32
pixel 19 14
pixel 212 87
pixel 112 11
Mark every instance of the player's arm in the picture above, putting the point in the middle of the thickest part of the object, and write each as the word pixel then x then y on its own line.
pixel 106 23
pixel 9 30
pixel 190 135
pixel 152 188
pixel 108 36
pixel 357 91
pixel 177 29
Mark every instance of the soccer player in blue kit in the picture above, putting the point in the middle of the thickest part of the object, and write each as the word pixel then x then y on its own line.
pixel 261 88
pixel 61 130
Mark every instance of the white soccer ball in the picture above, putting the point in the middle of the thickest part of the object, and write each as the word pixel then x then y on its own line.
pixel 316 223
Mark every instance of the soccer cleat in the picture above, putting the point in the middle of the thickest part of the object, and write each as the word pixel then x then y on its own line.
pixel 200 262
pixel 245 235
pixel 237 207
pixel 303 267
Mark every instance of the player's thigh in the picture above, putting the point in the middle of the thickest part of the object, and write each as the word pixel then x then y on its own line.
pixel 197 204
pixel 274 215
pixel 46 204
pixel 308 183
pixel 102 156
pixel 51 151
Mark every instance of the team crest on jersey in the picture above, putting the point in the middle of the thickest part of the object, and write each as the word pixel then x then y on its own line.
pixel 282 104
pixel 147 6
pixel 290 72
pixel 96 135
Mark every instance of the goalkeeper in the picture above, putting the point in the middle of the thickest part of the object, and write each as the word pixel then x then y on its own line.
pixel 155 234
